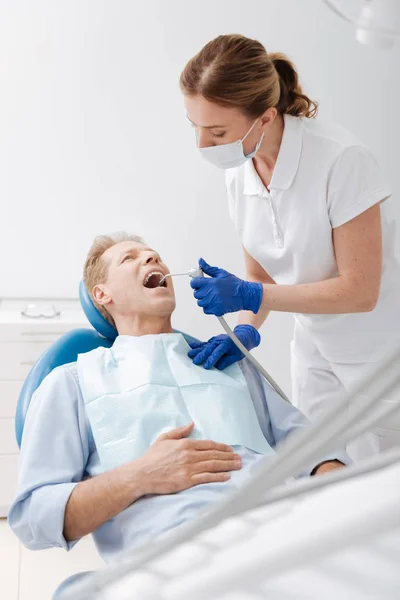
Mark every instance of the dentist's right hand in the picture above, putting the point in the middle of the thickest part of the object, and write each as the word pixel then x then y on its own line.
pixel 175 463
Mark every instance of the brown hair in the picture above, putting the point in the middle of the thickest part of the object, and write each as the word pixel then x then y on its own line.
pixel 95 269
pixel 235 71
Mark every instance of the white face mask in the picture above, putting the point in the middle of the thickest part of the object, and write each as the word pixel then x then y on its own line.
pixel 229 156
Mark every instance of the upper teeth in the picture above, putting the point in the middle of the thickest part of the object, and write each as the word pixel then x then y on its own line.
pixel 152 273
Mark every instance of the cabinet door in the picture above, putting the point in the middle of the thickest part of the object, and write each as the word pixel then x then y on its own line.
pixel 9 394
pixel 8 443
pixel 37 332
pixel 8 478
pixel 16 359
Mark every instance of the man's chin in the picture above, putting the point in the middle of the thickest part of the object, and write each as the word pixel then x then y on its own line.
pixel 162 307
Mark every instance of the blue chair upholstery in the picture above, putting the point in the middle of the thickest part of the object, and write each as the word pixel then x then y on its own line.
pixel 95 318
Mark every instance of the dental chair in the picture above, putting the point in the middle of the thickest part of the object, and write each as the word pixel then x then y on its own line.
pixel 63 351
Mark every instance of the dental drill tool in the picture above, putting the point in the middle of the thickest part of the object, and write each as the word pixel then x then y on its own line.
pixel 199 273
pixel 192 273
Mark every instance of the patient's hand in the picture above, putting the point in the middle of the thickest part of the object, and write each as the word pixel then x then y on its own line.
pixel 329 465
pixel 175 463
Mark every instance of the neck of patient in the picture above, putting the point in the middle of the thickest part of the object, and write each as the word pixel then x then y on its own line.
pixel 137 325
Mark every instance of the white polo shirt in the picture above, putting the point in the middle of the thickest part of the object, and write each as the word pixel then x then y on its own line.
pixel 323 178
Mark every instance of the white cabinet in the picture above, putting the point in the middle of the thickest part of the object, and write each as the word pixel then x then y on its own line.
pixel 9 476
pixel 8 442
pixel 27 328
pixel 9 393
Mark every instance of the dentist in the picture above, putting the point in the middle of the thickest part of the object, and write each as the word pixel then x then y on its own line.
pixel 310 207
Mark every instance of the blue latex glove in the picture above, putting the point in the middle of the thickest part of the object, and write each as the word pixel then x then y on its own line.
pixel 220 351
pixel 222 292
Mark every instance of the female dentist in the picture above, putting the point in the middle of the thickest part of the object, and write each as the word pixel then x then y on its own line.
pixel 307 200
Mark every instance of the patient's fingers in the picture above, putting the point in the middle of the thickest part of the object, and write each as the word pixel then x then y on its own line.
pixel 176 434
pixel 217 466
pixel 208 445
pixel 217 455
pixel 209 477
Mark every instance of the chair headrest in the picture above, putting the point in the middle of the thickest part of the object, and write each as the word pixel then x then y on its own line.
pixel 94 317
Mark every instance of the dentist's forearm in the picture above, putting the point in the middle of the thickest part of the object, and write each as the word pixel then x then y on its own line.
pixel 97 500
pixel 332 296
pixel 249 318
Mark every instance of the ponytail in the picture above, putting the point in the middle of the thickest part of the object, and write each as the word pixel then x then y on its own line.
pixel 292 100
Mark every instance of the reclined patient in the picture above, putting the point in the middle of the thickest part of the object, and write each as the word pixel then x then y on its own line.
pixel 133 440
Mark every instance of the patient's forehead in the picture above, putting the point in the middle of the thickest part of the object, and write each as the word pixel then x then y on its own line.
pixel 118 251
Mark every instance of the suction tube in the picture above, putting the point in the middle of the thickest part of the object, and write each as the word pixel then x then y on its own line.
pixel 199 273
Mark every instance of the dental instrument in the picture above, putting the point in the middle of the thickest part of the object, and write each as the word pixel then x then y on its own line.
pixel 192 273
pixel 198 272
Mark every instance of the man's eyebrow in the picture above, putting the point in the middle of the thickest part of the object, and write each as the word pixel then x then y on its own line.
pixel 208 126
pixel 134 251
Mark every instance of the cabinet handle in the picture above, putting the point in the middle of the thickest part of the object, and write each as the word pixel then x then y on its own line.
pixel 46 333
pixel 38 341
pixel 29 363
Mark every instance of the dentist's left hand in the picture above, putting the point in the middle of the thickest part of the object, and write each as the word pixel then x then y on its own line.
pixel 220 351
pixel 222 292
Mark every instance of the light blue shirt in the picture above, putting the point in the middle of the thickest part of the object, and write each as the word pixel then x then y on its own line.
pixel 58 451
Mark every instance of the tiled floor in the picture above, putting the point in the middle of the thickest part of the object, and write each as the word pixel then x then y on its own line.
pixel 27 575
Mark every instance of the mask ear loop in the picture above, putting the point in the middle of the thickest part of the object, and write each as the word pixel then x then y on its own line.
pixel 252 154
pixel 250 130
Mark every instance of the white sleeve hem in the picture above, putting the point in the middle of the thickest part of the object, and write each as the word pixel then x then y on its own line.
pixel 344 217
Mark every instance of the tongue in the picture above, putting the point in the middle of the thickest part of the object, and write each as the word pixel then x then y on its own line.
pixel 153 281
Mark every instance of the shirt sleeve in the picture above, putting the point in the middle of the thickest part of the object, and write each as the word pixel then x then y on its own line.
pixel 355 184
pixel 53 457
pixel 278 418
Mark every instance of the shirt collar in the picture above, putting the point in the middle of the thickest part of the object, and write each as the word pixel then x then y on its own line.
pixel 287 162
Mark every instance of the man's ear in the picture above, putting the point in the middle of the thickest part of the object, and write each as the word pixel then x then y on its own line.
pixel 101 295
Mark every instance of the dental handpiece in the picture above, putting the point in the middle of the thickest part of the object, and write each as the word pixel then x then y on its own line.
pixel 196 272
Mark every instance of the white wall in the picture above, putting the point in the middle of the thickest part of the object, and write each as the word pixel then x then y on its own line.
pixel 93 135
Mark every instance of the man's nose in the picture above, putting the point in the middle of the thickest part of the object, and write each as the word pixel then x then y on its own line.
pixel 152 258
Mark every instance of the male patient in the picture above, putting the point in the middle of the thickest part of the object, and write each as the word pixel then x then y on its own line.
pixel 131 441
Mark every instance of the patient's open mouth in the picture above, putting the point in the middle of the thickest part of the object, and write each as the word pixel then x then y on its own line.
pixel 152 280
